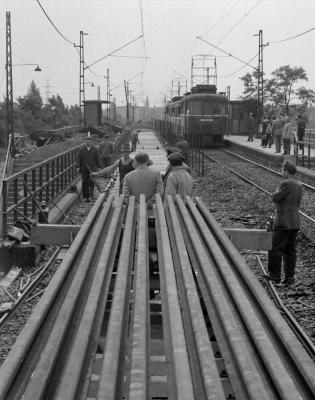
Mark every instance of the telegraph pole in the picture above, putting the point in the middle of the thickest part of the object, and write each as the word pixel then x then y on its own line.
pixel 8 66
pixel 82 83
pixel 127 101
pixel 107 95
pixel 260 83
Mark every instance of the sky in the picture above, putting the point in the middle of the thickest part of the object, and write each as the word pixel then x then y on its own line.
pixel 164 42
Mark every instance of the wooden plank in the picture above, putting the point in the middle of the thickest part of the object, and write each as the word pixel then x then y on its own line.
pixel 251 239
pixel 50 234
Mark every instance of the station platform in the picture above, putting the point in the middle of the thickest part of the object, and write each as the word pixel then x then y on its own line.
pixel 269 157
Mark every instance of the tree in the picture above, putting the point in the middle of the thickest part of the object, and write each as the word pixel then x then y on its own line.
pixel 250 87
pixel 281 89
pixel 32 102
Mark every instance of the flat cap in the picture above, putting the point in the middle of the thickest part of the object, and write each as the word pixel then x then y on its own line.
pixel 142 158
pixel 176 157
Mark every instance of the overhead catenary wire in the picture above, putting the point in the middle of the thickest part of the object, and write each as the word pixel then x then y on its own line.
pixel 231 55
pixel 49 19
pixel 239 69
pixel 292 37
pixel 114 51
pixel 241 20
pixel 222 18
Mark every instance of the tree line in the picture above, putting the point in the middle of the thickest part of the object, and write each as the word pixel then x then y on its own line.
pixel 282 92
pixel 31 115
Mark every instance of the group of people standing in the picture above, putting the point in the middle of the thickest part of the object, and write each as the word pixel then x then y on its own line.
pixel 280 131
pixel 135 177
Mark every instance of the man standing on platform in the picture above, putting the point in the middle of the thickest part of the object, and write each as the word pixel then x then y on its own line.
pixel 277 126
pixel 288 133
pixel 251 128
pixel 286 225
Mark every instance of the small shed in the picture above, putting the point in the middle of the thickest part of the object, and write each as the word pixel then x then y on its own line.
pixel 93 112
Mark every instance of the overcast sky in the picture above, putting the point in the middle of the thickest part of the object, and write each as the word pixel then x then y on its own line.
pixel 170 28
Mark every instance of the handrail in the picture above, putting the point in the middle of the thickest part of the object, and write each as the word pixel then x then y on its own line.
pixel 307 143
pixel 42 163
pixel 46 179
pixel 5 172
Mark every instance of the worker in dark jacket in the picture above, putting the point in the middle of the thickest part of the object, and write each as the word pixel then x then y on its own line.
pixel 285 228
pixel 88 161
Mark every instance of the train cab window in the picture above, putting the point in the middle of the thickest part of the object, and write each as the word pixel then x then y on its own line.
pixel 218 108
pixel 207 108
pixel 196 108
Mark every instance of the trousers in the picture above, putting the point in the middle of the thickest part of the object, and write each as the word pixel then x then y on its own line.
pixel 283 247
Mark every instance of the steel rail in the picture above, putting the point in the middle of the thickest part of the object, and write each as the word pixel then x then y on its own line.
pixel 180 384
pixel 298 364
pixel 207 372
pixel 50 356
pixel 12 365
pixel 295 326
pixel 240 355
pixel 254 184
pixel 138 366
pixel 72 383
pixel 312 188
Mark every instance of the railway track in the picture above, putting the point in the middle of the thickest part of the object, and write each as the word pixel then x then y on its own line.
pixel 213 333
pixel 266 181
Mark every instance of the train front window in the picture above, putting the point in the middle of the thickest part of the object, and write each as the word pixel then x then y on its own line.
pixel 196 108
pixel 218 108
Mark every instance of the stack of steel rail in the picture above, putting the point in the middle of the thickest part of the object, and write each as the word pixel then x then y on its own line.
pixel 94 335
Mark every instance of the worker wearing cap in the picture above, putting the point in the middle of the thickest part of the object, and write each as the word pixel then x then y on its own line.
pixel 143 181
pixel 88 161
pixel 179 181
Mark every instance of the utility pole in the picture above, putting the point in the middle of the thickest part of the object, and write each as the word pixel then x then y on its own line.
pixel 127 100
pixel 107 95
pixel 8 66
pixel 260 83
pixel 82 83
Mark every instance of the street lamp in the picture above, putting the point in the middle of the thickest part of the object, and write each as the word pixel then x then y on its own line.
pixel 37 69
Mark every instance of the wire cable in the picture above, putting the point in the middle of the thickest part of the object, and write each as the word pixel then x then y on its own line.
pixel 115 51
pixel 239 69
pixel 293 37
pixel 229 54
pixel 242 19
pixel 223 17
pixel 49 19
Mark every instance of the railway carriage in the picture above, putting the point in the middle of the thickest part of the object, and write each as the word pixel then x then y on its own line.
pixel 201 113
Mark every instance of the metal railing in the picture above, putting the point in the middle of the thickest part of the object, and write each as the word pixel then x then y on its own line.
pixel 303 148
pixel 21 191
pixel 66 130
